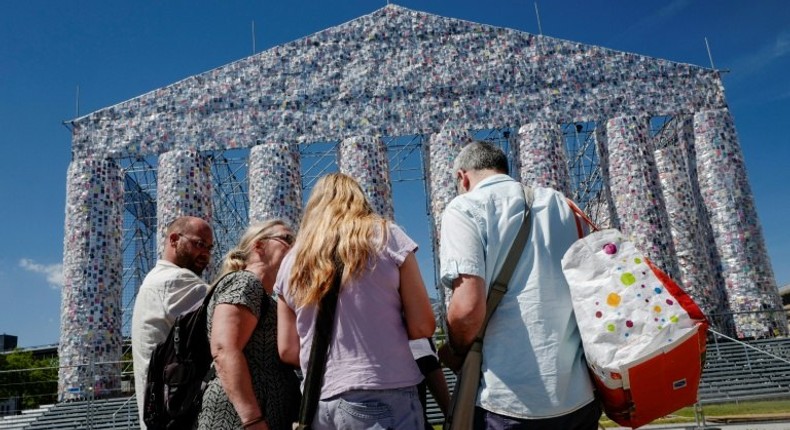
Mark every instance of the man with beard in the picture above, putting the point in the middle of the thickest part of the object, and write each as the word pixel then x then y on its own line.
pixel 171 288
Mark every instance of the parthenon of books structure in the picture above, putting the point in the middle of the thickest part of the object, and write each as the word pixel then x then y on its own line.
pixel 681 192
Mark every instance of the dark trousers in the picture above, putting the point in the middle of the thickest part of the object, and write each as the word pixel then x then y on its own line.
pixel 585 418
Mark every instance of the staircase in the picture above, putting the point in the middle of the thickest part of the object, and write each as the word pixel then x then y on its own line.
pixel 738 371
pixel 734 371
pixel 118 413
pixel 24 419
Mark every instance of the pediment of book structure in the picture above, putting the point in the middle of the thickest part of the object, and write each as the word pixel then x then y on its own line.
pixel 395 72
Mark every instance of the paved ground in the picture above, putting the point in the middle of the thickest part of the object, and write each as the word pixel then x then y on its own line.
pixel 767 422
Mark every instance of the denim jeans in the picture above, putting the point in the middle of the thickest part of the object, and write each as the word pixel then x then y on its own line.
pixel 585 418
pixel 371 409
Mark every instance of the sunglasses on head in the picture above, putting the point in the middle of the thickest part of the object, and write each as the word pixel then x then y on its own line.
pixel 287 238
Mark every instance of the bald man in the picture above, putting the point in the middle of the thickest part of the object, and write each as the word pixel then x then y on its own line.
pixel 171 288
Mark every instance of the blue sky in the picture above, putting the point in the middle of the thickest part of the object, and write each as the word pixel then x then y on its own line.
pixel 116 50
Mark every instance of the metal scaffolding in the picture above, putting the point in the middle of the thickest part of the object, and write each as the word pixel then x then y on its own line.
pixel 231 201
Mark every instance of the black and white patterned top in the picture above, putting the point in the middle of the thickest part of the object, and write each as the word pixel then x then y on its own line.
pixel 275 384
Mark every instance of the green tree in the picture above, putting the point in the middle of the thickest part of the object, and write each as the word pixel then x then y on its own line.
pixel 35 381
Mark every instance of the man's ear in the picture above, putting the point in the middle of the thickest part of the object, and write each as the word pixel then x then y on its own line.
pixel 465 180
pixel 172 238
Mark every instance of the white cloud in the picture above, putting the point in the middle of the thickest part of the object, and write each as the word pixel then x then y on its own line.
pixel 647 23
pixel 763 57
pixel 673 8
pixel 53 272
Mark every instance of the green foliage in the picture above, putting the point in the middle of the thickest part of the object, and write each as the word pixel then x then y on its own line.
pixel 752 410
pixel 34 380
pixel 741 408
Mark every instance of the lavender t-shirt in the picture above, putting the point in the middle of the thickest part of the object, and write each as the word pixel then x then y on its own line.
pixel 370 347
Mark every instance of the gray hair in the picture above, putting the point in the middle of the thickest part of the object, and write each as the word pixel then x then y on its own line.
pixel 480 155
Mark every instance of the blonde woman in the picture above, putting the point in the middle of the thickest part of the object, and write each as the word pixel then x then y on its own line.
pixel 254 389
pixel 371 377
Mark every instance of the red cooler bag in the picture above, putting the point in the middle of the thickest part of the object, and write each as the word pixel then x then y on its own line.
pixel 643 336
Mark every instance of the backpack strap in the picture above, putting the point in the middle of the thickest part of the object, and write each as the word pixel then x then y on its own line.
pixel 203 309
pixel 213 287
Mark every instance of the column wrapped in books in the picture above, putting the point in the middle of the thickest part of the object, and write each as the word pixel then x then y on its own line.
pixel 634 184
pixel 275 183
pixel 365 159
pixel 749 279
pixel 688 226
pixel 543 161
pixel 90 339
pixel 439 154
pixel 183 188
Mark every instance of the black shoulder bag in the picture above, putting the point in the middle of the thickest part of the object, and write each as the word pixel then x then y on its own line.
pixel 322 336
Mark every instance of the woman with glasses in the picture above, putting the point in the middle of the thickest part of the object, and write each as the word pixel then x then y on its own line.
pixel 370 378
pixel 253 388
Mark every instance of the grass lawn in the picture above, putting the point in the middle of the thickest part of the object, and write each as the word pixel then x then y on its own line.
pixel 712 411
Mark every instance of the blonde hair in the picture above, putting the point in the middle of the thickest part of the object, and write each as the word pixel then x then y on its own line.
pixel 337 216
pixel 236 258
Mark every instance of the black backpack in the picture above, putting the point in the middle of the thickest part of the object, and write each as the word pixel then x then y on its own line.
pixel 179 369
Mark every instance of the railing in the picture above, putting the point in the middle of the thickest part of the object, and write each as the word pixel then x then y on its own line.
pixel 754 352
pixel 29 388
pixel 749 325
pixel 746 347
pixel 90 380
pixel 738 371
pixel 128 412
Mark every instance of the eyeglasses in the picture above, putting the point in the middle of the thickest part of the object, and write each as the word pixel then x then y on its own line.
pixel 198 242
pixel 287 239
